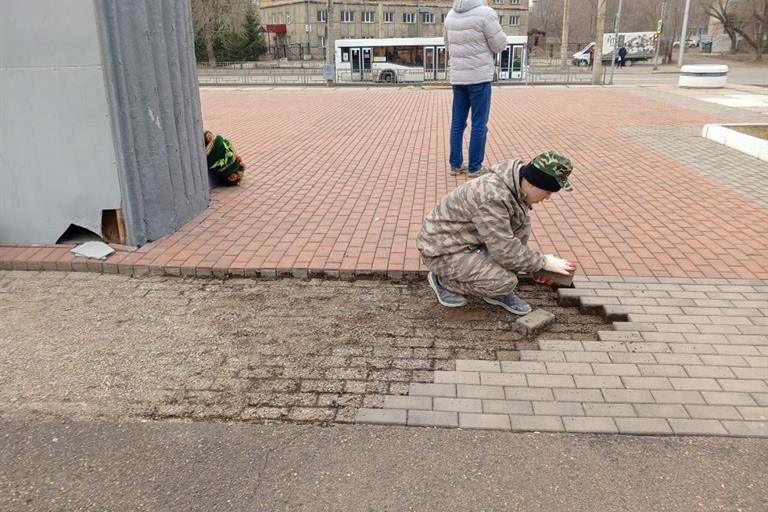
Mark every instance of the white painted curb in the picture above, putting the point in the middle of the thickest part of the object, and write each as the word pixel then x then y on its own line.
pixel 748 144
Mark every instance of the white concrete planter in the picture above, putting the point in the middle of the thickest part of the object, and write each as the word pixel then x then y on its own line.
pixel 703 76
pixel 748 144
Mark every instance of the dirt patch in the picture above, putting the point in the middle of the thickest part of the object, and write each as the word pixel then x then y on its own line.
pixel 757 130
pixel 99 346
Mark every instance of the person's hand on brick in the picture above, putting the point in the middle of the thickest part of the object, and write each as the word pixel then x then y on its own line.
pixel 538 278
pixel 559 265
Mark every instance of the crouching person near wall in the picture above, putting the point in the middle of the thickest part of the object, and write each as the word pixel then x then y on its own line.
pixel 474 241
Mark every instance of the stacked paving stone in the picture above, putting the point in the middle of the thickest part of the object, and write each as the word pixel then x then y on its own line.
pixel 686 357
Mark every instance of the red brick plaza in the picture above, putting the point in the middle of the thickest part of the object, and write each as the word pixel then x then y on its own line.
pixel 338 181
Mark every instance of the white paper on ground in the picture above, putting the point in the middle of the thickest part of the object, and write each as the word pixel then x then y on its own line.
pixel 98 250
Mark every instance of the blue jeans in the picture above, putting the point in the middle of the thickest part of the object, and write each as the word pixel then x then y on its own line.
pixel 477 98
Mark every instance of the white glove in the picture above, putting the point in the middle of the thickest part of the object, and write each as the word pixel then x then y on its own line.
pixel 558 265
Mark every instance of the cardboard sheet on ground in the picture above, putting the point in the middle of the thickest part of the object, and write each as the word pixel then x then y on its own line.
pixel 97 250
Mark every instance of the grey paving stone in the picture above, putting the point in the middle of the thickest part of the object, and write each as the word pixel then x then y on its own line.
pixel 420 389
pixel 515 393
pixel 483 392
pixel 664 337
pixel 536 321
pixel 721 360
pixel 747 428
pixel 747 339
pixel 484 421
pixel 592 424
pixel 745 386
pixel 587 357
pixel 661 411
pixel 523 367
pixel 727 398
pixel 569 368
pixel 502 379
pixel 676 328
pixel 619 336
pixel 713 372
pixel 537 423
pixel 457 404
pixel 677 397
pixel 694 384
pixel 647 426
pixel 615 369
pixel 736 350
pixel 692 348
pixel 539 355
pixel 612 410
pixel 433 418
pixel 663 310
pixel 634 326
pixel 637 317
pixel 646 382
pixel 630 357
pixel 507 407
pixel 550 381
pixel 557 409
pixel 598 382
pixel 605 346
pixel 757 362
pixel 697 427
pixel 705 338
pixel 628 395
pixel 471 365
pixel 661 370
pixel 381 416
pixel 751 373
pixel 408 402
pixel 578 395
pixel 569 345
pixel 754 413
pixel 720 329
pixel 679 359
pixel 447 377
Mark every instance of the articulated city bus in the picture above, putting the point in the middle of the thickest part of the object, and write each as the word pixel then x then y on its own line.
pixel 414 59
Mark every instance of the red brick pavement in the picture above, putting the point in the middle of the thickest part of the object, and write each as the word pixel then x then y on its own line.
pixel 338 182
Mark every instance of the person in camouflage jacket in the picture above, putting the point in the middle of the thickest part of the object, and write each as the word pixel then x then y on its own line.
pixel 475 240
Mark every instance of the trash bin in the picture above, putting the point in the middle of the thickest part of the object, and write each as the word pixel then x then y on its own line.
pixel 706 47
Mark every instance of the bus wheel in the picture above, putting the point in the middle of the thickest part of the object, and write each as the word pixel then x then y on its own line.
pixel 388 77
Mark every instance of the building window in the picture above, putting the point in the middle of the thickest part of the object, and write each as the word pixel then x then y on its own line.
pixel 389 17
pixel 287 19
pixel 514 21
pixel 275 18
pixel 427 18
pixel 515 2
pixel 442 18
pixel 369 16
pixel 321 41
pixel 347 16
pixel 322 15
pixel 409 17
pixel 497 1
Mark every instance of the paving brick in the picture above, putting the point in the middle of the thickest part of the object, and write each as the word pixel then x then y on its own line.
pixel 536 321
pixel 745 386
pixel 408 402
pixel 719 329
pixel 615 369
pixel 664 337
pixel 634 326
pixel 751 373
pixel 592 424
pixel 433 418
pixel 502 379
pixel 523 367
pixel 692 348
pixel 694 384
pixel 756 362
pixel 569 368
pixel 557 408
pixel 513 393
pixel 507 407
pixel 727 398
pixel 537 423
pixel 484 421
pixel 598 382
pixel 713 412
pixel 679 359
pixel 647 426
pixel 646 382
pixel 636 317
pixel 469 365
pixel 677 397
pixel 697 427
pixel 381 416
pixel 661 411
pixel 631 358
pixel 669 327
pixel 457 378
pixel 587 357
pixel 578 395
pixel 619 336
pixel 754 413
pixel 569 345
pixel 550 381
pixel 457 404
pixel 736 350
pixel 483 392
pixel 721 360
pixel 609 410
pixel 747 339
pixel 705 338
pixel 419 389
pixel 661 370
pixel 605 346
pixel 747 428
pixel 663 310
pixel 538 355
pixel 714 372
pixel 628 395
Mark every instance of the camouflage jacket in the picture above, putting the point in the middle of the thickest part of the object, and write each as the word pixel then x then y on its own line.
pixel 488 211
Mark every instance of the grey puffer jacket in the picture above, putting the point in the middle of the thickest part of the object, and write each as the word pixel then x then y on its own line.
pixel 472 35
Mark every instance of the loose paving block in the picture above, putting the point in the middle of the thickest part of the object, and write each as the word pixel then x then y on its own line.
pixel 507 407
pixel 381 416
pixel 535 322
pixel 457 404
pixel 646 426
pixel 407 402
pixel 467 365
pixel 697 427
pixel 484 421
pixel 589 424
pixel 433 418
pixel 561 280
pixel 537 423
pixel 457 378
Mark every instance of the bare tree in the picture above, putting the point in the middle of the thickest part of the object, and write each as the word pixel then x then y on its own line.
pixel 724 11
pixel 752 24
pixel 210 17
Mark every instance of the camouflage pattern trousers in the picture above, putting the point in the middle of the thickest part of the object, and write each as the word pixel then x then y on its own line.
pixel 472 272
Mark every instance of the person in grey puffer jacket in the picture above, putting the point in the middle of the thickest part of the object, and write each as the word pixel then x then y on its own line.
pixel 472 35
pixel 475 240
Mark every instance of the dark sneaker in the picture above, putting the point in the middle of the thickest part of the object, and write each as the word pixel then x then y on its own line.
pixel 478 172
pixel 511 303
pixel 455 171
pixel 445 297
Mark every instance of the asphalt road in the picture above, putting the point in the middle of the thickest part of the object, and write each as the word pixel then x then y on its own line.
pixel 168 466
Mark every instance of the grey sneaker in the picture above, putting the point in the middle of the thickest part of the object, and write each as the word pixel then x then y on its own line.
pixel 478 172
pixel 511 303
pixel 455 171
pixel 445 297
